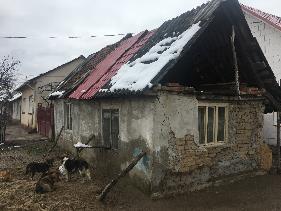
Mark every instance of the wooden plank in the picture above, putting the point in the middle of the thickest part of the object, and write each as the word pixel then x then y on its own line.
pixel 110 185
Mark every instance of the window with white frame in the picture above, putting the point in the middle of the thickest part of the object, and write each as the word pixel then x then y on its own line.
pixel 68 116
pixel 110 127
pixel 212 123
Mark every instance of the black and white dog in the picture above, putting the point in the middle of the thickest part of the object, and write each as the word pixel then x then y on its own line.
pixel 70 166
pixel 36 167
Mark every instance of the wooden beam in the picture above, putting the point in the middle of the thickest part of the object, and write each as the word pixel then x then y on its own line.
pixel 235 62
pixel 109 186
pixel 271 99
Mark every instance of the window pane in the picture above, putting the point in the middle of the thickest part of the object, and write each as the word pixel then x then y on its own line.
pixel 66 116
pixel 201 124
pixel 30 106
pixel 210 126
pixel 106 127
pixel 114 128
pixel 221 124
pixel 70 116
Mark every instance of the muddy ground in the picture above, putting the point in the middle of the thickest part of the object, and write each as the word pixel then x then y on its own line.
pixel 258 193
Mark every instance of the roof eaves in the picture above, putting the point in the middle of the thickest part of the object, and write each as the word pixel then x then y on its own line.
pixel 270 19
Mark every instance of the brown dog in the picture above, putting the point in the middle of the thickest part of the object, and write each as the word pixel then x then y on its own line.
pixel 47 181
pixel 5 176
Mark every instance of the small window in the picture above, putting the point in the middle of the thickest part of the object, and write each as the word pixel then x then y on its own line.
pixel 24 105
pixel 212 124
pixel 30 104
pixel 110 127
pixel 68 116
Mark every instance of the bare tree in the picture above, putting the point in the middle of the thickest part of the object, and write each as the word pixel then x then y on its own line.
pixel 8 68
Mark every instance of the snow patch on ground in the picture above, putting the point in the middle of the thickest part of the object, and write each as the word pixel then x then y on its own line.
pixel 137 75
pixel 81 145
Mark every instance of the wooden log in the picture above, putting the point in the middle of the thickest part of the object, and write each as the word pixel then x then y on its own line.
pixel 110 185
pixel 235 62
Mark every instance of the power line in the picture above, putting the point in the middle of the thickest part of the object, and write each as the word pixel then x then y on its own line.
pixel 67 37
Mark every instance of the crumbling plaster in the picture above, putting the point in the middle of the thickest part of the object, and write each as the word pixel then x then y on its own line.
pixel 165 126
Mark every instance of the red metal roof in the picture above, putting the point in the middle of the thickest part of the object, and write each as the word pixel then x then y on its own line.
pixel 273 20
pixel 108 67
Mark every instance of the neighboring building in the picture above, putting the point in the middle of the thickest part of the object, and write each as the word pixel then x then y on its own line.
pixel 16 106
pixel 36 90
pixel 267 29
pixel 171 92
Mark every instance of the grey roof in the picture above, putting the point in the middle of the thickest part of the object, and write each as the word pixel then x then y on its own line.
pixel 30 81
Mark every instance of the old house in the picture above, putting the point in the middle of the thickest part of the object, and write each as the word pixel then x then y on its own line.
pixel 174 93
pixel 36 90
pixel 266 28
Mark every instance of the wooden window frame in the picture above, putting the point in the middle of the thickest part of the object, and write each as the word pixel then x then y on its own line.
pixel 68 108
pixel 110 135
pixel 30 104
pixel 215 125
pixel 24 103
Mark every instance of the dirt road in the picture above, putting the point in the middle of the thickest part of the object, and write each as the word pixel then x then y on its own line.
pixel 259 193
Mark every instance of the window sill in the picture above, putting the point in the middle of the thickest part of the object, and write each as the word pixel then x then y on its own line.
pixel 219 144
pixel 68 131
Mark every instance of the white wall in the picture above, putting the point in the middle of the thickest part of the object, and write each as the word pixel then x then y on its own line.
pixel 269 40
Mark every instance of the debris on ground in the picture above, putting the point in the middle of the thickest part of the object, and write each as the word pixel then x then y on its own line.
pixel 18 190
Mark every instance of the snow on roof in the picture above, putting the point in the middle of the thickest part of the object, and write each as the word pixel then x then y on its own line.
pixel 15 96
pixel 56 94
pixel 81 145
pixel 137 75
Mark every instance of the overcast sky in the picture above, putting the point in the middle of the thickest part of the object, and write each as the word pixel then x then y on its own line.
pixel 40 19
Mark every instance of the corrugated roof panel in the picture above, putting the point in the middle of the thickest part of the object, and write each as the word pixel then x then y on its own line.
pixel 104 66
pixel 273 20
pixel 112 70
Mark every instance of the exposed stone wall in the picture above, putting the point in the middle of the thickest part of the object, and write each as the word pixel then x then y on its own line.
pixel 192 166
